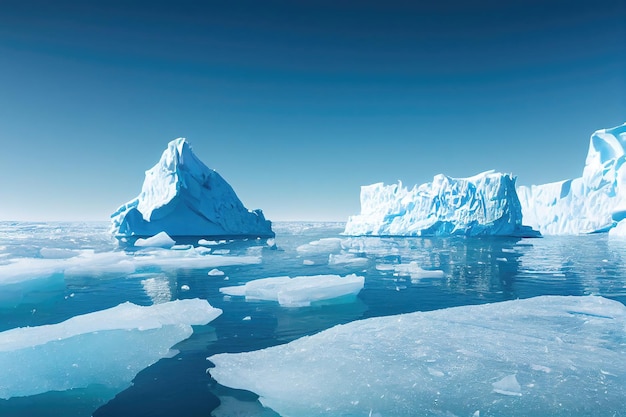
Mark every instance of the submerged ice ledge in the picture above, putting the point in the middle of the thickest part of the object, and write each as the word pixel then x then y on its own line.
pixel 483 205
pixel 107 347
pixel 510 358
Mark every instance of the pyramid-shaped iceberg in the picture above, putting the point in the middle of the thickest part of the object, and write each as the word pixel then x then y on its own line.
pixel 182 197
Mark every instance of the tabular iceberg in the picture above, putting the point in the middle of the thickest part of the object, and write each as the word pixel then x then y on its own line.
pixel 595 202
pixel 485 204
pixel 181 196
pixel 550 355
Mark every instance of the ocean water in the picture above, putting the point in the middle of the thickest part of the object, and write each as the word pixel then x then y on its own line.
pixel 50 272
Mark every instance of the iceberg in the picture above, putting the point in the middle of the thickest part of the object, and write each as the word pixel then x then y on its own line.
pixel 107 347
pixel 485 204
pixel 594 202
pixel 182 197
pixel 513 358
pixel 298 291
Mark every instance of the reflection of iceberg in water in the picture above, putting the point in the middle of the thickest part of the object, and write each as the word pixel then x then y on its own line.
pixel 466 264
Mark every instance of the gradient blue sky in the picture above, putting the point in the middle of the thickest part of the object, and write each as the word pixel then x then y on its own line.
pixel 298 104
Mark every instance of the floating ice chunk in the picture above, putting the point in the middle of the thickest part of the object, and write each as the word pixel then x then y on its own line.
pixel 299 291
pixel 508 386
pixel 160 240
pixel 325 245
pixel 184 287
pixel 215 272
pixel 204 242
pixel 221 251
pixel 117 262
pixel 308 262
pixel 433 363
pixel 485 204
pixel 107 347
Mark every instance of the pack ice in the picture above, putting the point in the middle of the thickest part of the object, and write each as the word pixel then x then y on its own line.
pixel 181 196
pixel 485 204
pixel 107 347
pixel 514 358
pixel 594 202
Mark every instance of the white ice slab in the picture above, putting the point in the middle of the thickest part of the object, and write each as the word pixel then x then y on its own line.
pixel 550 355
pixel 299 291
pixel 108 347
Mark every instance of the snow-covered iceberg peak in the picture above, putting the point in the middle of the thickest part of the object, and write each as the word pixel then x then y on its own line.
pixel 485 204
pixel 181 196
pixel 595 202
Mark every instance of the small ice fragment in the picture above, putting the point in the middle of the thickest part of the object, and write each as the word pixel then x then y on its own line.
pixel 184 287
pixel 541 368
pixel 215 272
pixel 308 262
pixel 160 240
pixel 204 242
pixel 221 252
pixel 502 259
pixel 247 318
pixel 508 386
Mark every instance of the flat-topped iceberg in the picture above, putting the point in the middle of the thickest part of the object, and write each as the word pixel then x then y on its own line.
pixel 107 347
pixel 485 204
pixel 181 196
pixel 595 202
pixel 545 356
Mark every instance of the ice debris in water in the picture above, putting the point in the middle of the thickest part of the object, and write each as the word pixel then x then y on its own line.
pixel 215 272
pixel 107 347
pixel 493 358
pixel 298 291
pixel 119 262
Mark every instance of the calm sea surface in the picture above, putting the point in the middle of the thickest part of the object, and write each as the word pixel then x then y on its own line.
pixel 476 271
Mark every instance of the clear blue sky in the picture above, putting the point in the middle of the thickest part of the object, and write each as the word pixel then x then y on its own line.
pixel 297 104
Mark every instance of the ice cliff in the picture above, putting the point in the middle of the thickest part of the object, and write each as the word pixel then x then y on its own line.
pixel 595 202
pixel 183 197
pixel 485 204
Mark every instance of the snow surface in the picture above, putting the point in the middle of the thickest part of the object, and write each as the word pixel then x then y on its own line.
pixel 514 358
pixel 594 202
pixel 107 347
pixel 485 204
pixel 183 197
pixel 298 291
